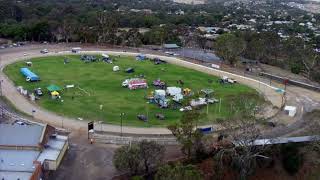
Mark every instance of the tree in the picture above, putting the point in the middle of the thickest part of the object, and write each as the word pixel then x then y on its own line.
pixel 292 159
pixel 133 37
pixel 151 154
pixel 241 131
pixel 142 157
pixel 313 128
pixel 301 55
pixel 229 47
pixel 126 158
pixel 186 133
pixel 178 172
pixel 201 40
pixel 108 26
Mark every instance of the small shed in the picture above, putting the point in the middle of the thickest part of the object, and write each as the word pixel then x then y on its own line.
pixel 291 110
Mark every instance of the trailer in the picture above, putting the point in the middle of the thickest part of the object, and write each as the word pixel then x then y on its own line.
pixel 135 83
pixel 29 75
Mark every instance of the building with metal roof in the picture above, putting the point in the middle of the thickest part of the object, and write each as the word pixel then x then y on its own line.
pixel 27 151
pixel 20 135
pixel 17 164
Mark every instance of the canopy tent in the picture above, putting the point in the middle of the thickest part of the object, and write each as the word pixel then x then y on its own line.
pixel 115 68
pixel 53 87
pixel 54 93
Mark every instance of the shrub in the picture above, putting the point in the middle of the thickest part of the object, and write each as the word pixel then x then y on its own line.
pixel 295 68
pixel 178 172
pixel 292 159
pixel 144 156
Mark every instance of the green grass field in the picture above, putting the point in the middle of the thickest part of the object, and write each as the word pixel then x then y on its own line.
pixel 103 87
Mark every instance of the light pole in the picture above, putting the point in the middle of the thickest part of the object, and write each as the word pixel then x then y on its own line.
pixel 101 107
pixel 121 117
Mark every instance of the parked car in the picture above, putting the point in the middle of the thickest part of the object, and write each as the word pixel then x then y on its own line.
pixel 142 117
pixel 160 116
pixel 38 92
pixel 169 53
pixel 44 51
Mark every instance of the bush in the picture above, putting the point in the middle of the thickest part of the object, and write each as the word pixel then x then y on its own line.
pixel 178 172
pixel 144 156
pixel 315 75
pixel 292 159
pixel 295 68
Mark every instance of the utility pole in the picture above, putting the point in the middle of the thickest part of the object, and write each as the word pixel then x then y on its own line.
pixel 121 117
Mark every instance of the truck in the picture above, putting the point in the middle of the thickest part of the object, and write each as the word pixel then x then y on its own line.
pixel 226 79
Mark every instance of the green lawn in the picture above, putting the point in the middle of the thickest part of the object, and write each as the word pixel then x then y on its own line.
pixel 104 87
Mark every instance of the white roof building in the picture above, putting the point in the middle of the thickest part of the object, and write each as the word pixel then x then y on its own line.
pixel 291 110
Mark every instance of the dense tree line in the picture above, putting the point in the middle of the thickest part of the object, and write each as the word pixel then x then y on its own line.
pixel 97 20
pixel 293 53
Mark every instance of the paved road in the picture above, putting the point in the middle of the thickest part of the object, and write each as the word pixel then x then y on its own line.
pixel 43 115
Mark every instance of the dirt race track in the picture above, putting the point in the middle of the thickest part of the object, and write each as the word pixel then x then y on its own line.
pixel 42 115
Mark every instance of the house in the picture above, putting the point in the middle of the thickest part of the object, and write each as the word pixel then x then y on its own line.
pixel 179 12
pixel 27 152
